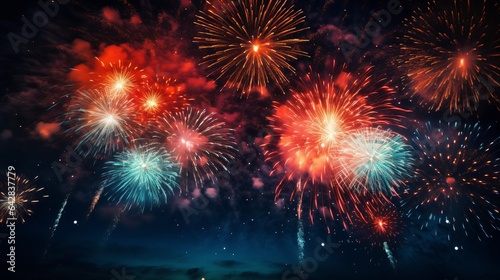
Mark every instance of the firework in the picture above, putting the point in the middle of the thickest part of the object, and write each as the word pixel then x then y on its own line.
pixel 142 176
pixel 456 183
pixel 120 79
pixel 251 41
pixel 381 223
pixel 313 124
pixel 201 144
pixel 450 51
pixel 375 160
pixel 25 196
pixel 105 121
pixel 160 96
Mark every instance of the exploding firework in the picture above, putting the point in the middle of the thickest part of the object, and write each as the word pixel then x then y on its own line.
pixel 160 96
pixel 201 144
pixel 375 160
pixel 456 183
pixel 381 223
pixel 120 79
pixel 142 176
pixel 106 122
pixel 25 195
pixel 251 41
pixel 313 124
pixel 380 226
pixel 450 52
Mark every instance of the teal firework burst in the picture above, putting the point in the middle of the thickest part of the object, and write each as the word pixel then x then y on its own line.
pixel 141 177
pixel 375 160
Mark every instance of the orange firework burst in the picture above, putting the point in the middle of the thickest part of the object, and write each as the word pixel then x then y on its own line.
pixel 159 96
pixel 252 41
pixel 117 78
pixel 450 52
pixel 312 125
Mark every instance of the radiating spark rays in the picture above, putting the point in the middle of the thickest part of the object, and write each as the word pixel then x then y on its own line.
pixel 158 96
pixel 119 79
pixel 251 42
pixel 104 121
pixel 456 182
pixel 25 195
pixel 312 126
pixel 375 160
pixel 142 176
pixel 201 144
pixel 450 51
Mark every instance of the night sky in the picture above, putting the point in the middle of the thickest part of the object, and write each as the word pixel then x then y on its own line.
pixel 233 227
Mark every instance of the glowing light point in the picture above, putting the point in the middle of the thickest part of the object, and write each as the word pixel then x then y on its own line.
pixel 461 62
pixel 151 103
pixel 450 180
pixel 456 248
pixel 110 119
pixel 75 222
pixel 255 48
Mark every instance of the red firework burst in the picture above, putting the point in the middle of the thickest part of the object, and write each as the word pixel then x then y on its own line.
pixel 381 223
pixel 312 125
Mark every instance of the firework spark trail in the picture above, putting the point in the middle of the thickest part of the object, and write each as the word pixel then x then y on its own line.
pixel 112 227
pixel 389 255
pixel 300 234
pixel 448 50
pixel 96 198
pixel 56 222
pixel 251 41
